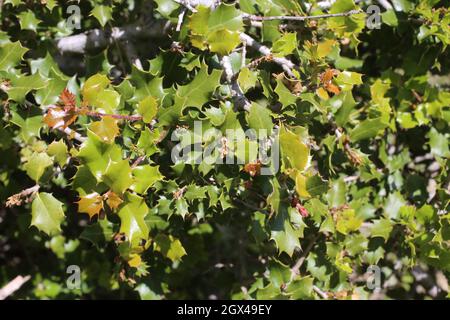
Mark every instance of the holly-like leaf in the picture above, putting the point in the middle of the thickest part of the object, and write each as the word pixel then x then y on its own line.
pixel 28 20
pixel 347 221
pixel 259 118
pixel 144 177
pixel 49 94
pixel 96 154
pixel 223 41
pixel 57 117
pixel 285 45
pixel 47 213
pixel 118 176
pixel 148 108
pixel 37 164
pixel 113 200
pixel 102 13
pixel 381 228
pixel 21 85
pixel 91 204
pixel 132 214
pixel 439 144
pixel 58 150
pixel 367 129
pixel 11 53
pixel 295 153
pixel 169 247
pixel 92 87
pixel 284 234
pixel 106 129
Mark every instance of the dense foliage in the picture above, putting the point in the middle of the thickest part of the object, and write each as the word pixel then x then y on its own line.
pixel 92 109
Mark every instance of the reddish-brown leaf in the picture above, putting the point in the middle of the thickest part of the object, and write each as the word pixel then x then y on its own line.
pixel 57 117
pixel 253 169
pixel 67 99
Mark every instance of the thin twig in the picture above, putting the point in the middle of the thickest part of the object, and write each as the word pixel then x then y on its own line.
pixel 239 98
pixel 73 134
pixel 13 286
pixel 385 4
pixel 321 293
pixel 137 162
pixel 243 54
pixel 24 195
pixel 180 19
pixel 295 270
pixel 187 4
pixel 115 116
pixel 286 64
pixel 301 18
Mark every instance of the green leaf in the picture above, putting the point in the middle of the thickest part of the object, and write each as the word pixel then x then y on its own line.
pixel 381 228
pixel 98 233
pixel 368 128
pixel 169 247
pixel 284 234
pixel 439 144
pixel 223 41
pixel 58 150
pixel 147 141
pixel 21 85
pixel 247 79
pixel 345 104
pixel 285 45
pixel 285 96
pixel 166 7
pixel 37 165
pixel 390 18
pixel 215 115
pixel 347 221
pixel 30 124
pixel 300 288
pixel 198 91
pixel 259 118
pixel 92 87
pixel 96 154
pixel 106 129
pixel 11 53
pixel 295 152
pixel 49 94
pixel 316 186
pixel 336 194
pixel 148 108
pixel 132 214
pixel 28 20
pixel 346 80
pixel 225 17
pixel 393 204
pixel 47 213
pixel 102 13
pixel 145 177
pixel 118 176
pixel 194 94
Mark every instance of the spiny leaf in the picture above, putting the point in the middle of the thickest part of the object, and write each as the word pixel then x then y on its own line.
pixel 91 204
pixel 11 53
pixel 169 247
pixel 132 214
pixel 47 213
pixel 106 129
pixel 118 176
